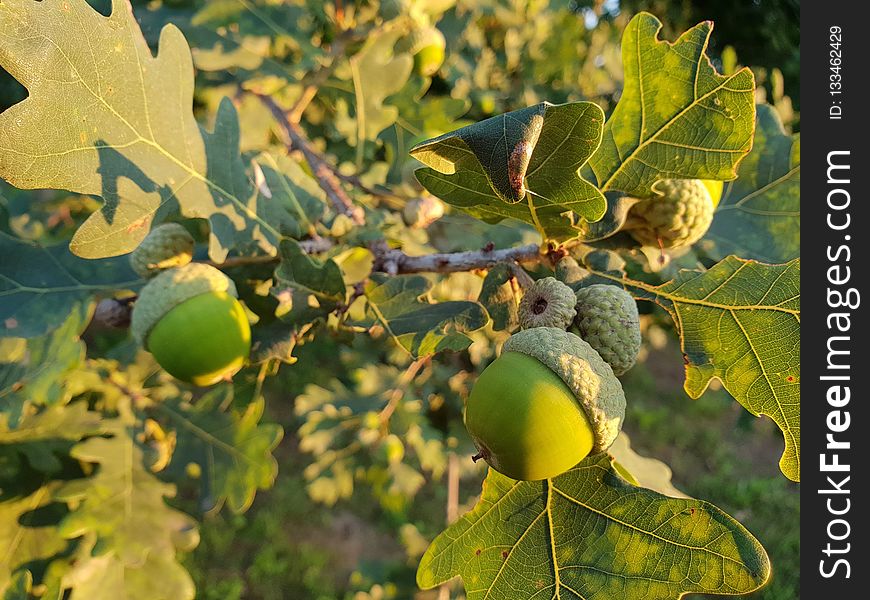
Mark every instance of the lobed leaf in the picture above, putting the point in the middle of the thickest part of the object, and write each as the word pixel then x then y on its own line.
pixel 122 511
pixel 24 537
pixel 677 117
pixel 521 165
pixel 40 287
pixel 590 535
pixel 377 72
pixel 92 124
pixel 647 472
pixel 306 289
pixel 759 214
pixel 419 327
pixel 233 449
pixel 34 371
pixel 740 323
pixel 43 436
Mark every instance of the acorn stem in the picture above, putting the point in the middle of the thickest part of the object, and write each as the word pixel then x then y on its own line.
pixel 477 456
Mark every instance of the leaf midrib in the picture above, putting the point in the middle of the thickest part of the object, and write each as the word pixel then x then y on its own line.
pixel 657 291
pixel 665 126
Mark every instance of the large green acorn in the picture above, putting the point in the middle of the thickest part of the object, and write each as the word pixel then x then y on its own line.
pixel 545 404
pixel 679 215
pixel 189 318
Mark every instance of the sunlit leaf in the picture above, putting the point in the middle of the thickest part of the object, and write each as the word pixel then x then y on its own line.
pixel 759 215
pixel 521 165
pixel 376 72
pixel 590 535
pixel 740 323
pixel 677 117
pixel 24 536
pixel 105 117
pixel 122 508
pixel 42 437
pixel 648 472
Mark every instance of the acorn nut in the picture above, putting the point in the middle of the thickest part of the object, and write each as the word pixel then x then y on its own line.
pixel 427 45
pixel 679 215
pixel 545 404
pixel 190 320
pixel 607 320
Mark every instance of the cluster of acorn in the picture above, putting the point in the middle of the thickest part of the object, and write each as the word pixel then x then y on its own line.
pixel 187 315
pixel 552 397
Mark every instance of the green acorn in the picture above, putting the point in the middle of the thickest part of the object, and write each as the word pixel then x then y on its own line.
pixel 189 318
pixel 545 404
pixel 427 45
pixel 607 320
pixel 678 216
pixel 547 303
pixel 166 246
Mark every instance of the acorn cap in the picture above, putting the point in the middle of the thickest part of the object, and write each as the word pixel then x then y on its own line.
pixel 678 215
pixel 586 374
pixel 166 246
pixel 547 303
pixel 607 320
pixel 169 289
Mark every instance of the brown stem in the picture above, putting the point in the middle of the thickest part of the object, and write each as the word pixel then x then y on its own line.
pixel 458 261
pixel 294 137
pixel 317 79
pixel 399 391
pixel 396 262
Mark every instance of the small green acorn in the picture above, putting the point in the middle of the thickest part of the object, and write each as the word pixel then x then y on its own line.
pixel 547 303
pixel 543 405
pixel 607 320
pixel 427 45
pixel 189 318
pixel 166 246
pixel 679 215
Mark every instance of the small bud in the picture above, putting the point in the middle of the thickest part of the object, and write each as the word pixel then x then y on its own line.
pixel 422 212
